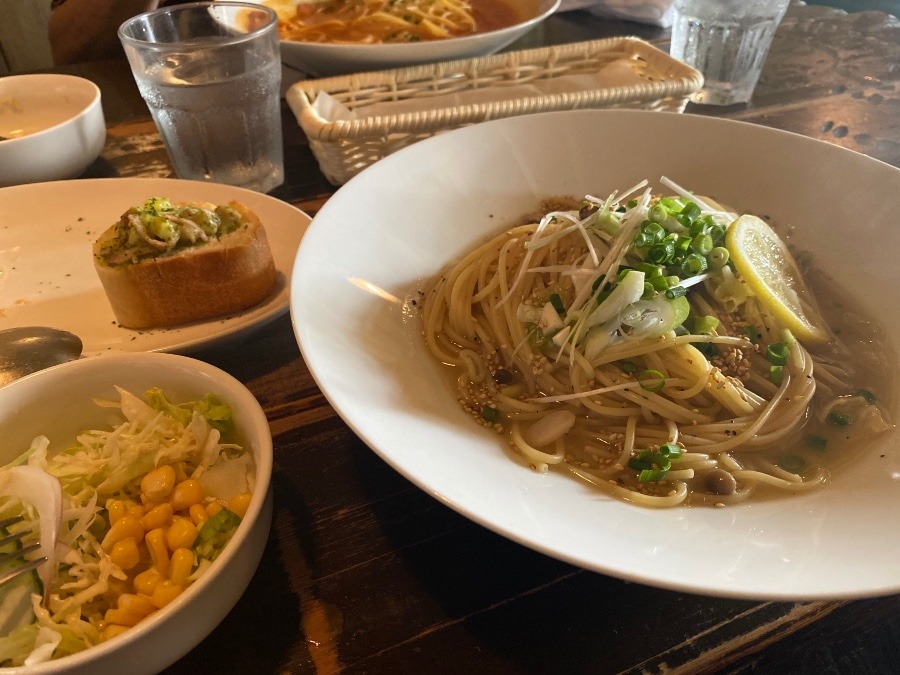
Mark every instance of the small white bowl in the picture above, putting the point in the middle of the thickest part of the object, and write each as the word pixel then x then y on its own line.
pixel 57 403
pixel 326 59
pixel 52 126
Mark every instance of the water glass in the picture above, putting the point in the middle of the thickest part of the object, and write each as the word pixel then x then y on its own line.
pixel 727 41
pixel 210 73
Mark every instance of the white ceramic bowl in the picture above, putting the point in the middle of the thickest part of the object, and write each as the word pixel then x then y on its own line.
pixel 381 236
pixel 57 403
pixel 322 59
pixel 53 126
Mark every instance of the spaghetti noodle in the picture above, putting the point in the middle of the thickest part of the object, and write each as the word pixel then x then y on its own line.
pixel 618 342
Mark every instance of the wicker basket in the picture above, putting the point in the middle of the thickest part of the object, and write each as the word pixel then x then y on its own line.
pixel 345 147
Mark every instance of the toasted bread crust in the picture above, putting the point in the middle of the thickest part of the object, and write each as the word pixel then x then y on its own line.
pixel 225 275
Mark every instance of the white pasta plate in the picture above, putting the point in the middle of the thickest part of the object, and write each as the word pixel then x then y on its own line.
pixel 47 275
pixel 376 242
pixel 321 59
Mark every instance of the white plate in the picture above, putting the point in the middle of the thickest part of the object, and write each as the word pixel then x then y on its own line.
pixel 402 219
pixel 326 59
pixel 47 275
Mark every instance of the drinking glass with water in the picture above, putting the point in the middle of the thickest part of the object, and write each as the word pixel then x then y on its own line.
pixel 727 41
pixel 211 75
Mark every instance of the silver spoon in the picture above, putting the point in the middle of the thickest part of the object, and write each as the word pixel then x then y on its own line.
pixel 31 348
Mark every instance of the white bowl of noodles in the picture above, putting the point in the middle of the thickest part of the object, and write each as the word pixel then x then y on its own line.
pixel 376 246
pixel 59 403
pixel 491 26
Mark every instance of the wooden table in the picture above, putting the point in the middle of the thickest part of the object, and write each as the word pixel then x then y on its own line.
pixel 364 572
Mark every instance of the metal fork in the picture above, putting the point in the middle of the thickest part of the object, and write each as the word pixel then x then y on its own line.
pixel 27 565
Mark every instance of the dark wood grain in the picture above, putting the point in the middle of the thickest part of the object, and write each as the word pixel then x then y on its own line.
pixel 364 572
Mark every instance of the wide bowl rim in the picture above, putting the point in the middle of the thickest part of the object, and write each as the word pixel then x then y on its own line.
pixel 190 369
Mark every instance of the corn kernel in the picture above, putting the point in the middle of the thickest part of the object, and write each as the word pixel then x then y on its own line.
pixel 198 514
pixel 158 516
pixel 181 566
pixel 164 593
pixel 240 503
pixel 112 631
pixel 136 511
pixel 186 494
pixel 157 484
pixel 181 534
pixel 137 604
pixel 146 581
pixel 156 544
pixel 116 509
pixel 213 508
pixel 125 554
pixel 121 617
pixel 122 529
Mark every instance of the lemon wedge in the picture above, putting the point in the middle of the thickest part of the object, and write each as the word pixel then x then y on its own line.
pixel 771 272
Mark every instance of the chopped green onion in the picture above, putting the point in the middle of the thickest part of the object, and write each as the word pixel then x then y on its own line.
pixel 702 244
pixel 489 414
pixel 718 257
pixel 557 303
pixel 641 240
pixel 648 460
pixel 652 475
pixel 675 292
pixel 661 253
pixel 632 203
pixel 683 244
pixel 628 367
pixel 776 374
pixel 652 380
pixel 658 213
pixel 816 442
pixel 838 418
pixel 671 204
pixel 717 232
pixel 660 283
pixel 649 291
pixel 752 333
pixel 691 210
pixel 866 394
pixel 670 450
pixel 705 325
pixel 650 270
pixel 792 463
pixel 777 353
pixel 694 264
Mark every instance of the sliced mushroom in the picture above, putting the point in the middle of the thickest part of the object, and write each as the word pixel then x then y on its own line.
pixel 720 482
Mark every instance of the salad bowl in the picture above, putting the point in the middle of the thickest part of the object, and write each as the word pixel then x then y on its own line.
pixel 59 403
